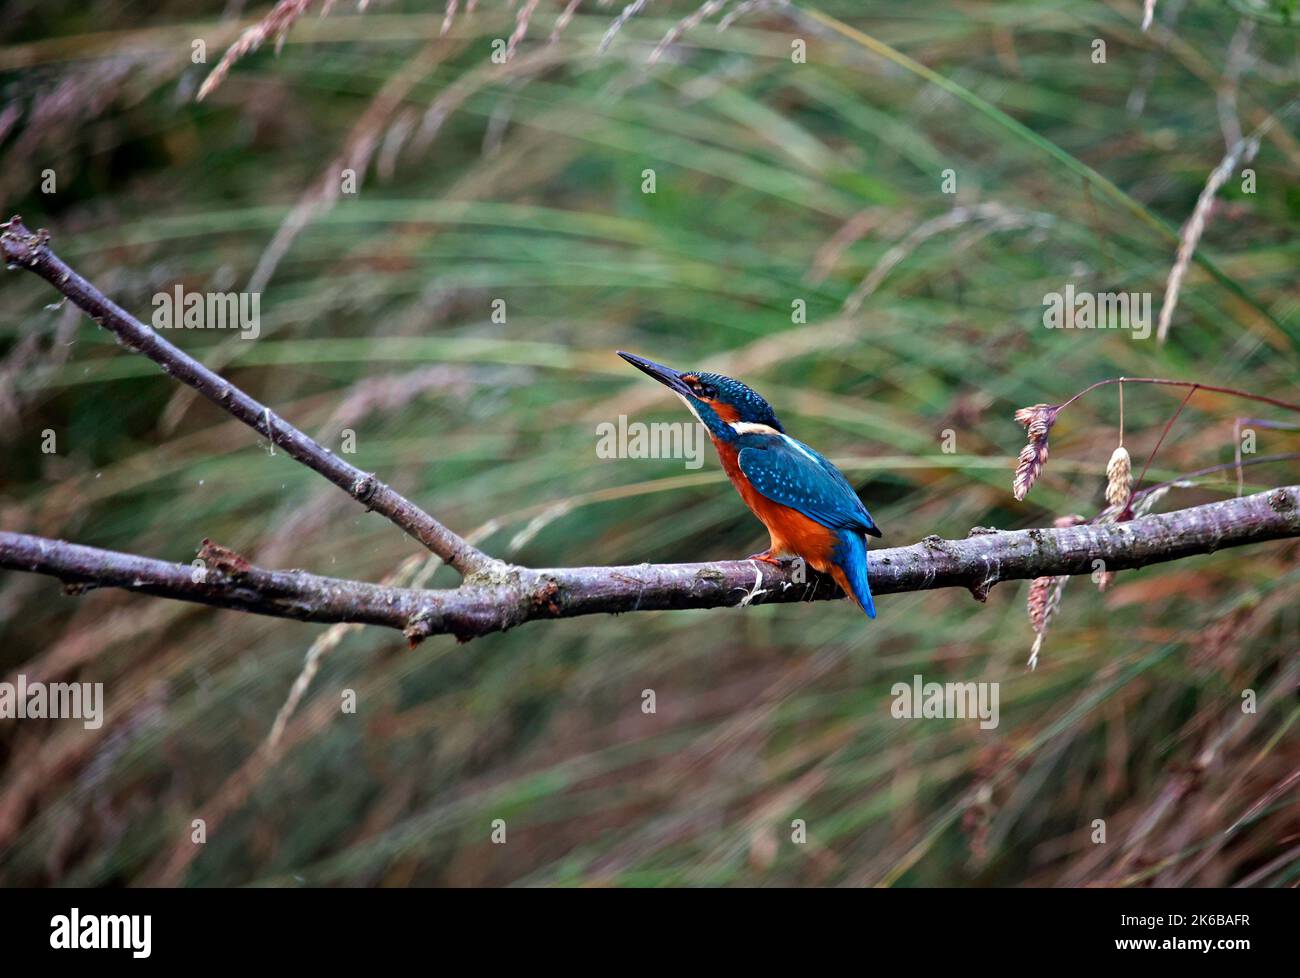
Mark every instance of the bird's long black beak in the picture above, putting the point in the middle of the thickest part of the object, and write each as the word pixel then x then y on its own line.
pixel 667 376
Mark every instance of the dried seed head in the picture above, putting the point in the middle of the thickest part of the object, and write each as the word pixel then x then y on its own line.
pixel 1039 592
pixel 1119 477
pixel 1037 421
pixel 276 23
pixel 1105 579
pixel 1032 458
pixel 1044 598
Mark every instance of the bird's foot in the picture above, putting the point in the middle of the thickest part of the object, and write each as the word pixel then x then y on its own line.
pixel 768 557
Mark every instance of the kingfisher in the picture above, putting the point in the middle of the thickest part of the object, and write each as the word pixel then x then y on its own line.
pixel 809 508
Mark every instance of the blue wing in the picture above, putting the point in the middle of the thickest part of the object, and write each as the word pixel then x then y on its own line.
pixel 792 474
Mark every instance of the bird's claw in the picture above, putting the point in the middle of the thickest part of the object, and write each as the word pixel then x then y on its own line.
pixel 767 557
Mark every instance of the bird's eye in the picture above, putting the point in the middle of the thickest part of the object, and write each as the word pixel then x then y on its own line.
pixel 705 390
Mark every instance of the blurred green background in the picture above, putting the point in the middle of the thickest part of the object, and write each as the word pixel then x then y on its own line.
pixel 776 181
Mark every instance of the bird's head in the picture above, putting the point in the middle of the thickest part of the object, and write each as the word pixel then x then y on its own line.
pixel 725 406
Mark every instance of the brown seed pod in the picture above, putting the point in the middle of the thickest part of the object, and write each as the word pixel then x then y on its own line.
pixel 1044 599
pixel 1119 477
pixel 1039 592
pixel 1037 422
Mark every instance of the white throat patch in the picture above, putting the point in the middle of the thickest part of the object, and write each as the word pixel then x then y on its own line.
pixel 686 400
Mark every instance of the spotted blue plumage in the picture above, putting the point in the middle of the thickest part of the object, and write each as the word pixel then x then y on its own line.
pixel 749 403
pixel 788 472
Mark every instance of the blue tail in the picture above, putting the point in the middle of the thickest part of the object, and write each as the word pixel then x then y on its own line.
pixel 850 556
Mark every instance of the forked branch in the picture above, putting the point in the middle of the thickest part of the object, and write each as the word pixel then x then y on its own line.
pixel 495 596
pixel 513 595
pixel 27 249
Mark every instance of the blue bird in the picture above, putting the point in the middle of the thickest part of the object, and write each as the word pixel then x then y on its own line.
pixel 807 505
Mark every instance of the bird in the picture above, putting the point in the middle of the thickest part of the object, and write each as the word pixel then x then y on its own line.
pixel 809 508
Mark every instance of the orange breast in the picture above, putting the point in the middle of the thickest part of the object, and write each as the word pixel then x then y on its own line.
pixel 792 533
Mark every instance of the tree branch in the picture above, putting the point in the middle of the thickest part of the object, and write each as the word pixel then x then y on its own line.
pixel 23 248
pixel 507 595
pixel 495 596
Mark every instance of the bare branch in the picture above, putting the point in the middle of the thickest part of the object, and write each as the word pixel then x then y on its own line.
pixel 496 596
pixel 225 584
pixel 508 596
pixel 23 248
